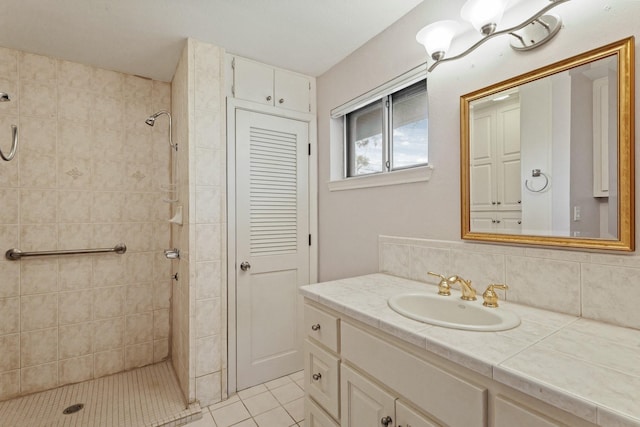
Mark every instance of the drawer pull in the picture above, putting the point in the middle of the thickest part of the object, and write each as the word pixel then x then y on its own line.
pixel 386 421
pixel 316 377
pixel 316 327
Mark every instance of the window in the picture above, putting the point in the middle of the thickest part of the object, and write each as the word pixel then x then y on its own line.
pixel 389 133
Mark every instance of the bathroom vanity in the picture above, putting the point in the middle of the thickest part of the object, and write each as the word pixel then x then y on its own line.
pixel 366 365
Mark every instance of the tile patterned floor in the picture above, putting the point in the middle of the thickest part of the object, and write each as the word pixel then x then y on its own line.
pixel 148 396
pixel 151 396
pixel 277 403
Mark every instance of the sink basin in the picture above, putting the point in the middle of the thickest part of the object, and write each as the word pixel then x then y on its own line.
pixel 452 312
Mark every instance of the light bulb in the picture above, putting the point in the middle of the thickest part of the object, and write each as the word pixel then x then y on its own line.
pixel 437 37
pixel 484 15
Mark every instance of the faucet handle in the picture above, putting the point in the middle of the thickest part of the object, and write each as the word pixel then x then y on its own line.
pixel 444 287
pixel 490 296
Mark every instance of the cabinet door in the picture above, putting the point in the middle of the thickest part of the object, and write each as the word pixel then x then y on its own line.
pixel 483 171
pixel 364 404
pixel 483 221
pixel 510 222
pixel 509 414
pixel 292 91
pixel 321 370
pixel 316 417
pixel 407 417
pixel 509 181
pixel 252 81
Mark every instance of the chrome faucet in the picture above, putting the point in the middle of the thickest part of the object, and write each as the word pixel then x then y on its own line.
pixel 172 253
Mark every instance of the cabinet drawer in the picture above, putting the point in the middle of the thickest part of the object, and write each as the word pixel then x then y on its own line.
pixel 322 327
pixel 508 414
pixel 316 417
pixel 321 378
pixel 425 385
pixel 407 417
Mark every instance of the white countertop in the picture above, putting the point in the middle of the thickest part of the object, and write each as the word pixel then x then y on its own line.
pixel 588 368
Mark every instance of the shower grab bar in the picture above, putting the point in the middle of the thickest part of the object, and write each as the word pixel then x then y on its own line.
pixel 14 145
pixel 15 254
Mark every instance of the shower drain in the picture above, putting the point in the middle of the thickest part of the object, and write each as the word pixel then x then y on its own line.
pixel 73 408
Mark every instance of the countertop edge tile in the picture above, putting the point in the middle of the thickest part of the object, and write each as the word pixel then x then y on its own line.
pixel 546 393
pixel 459 357
pixel 610 418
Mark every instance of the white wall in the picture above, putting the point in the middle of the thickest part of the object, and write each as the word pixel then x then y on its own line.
pixel 350 221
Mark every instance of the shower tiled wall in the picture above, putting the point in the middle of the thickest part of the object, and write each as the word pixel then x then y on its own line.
pixel 572 282
pixel 199 311
pixel 87 175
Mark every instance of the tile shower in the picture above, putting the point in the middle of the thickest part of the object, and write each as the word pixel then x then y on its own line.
pixel 87 175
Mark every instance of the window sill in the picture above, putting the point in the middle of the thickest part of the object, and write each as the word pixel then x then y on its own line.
pixel 419 174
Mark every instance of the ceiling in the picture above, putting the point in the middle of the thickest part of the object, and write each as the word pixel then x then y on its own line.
pixel 146 37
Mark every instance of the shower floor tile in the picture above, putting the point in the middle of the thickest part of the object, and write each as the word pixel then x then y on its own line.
pixel 148 396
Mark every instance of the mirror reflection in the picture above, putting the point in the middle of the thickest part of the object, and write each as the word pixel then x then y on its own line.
pixel 543 155
pixel 547 157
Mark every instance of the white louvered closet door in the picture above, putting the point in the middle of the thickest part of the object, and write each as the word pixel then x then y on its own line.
pixel 272 214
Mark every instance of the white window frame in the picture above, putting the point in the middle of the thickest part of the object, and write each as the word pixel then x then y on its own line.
pixel 399 176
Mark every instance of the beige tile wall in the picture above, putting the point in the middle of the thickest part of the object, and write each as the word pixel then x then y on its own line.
pixel 199 350
pixel 180 88
pixel 86 175
pixel 572 282
pixel 208 213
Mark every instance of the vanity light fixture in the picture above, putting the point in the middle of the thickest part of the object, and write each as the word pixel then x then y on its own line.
pixel 485 16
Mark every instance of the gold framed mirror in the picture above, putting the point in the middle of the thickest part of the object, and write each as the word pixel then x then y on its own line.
pixel 547 157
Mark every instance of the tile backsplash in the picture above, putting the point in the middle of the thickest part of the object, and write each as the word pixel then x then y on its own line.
pixel 598 286
pixel 86 175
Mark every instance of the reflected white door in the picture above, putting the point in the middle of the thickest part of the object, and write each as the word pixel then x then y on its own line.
pixel 272 220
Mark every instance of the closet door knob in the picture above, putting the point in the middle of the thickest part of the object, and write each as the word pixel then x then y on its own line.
pixel 269 98
pixel 316 377
pixel 281 101
pixel 315 327
pixel 386 421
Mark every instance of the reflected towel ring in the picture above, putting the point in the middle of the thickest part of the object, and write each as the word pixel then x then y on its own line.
pixel 14 145
pixel 535 174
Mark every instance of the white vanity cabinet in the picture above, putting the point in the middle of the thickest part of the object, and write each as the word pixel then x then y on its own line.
pixel 321 366
pixel 261 83
pixel 509 414
pixel 496 184
pixel 496 221
pixel 365 404
pixel 407 417
pixel 358 376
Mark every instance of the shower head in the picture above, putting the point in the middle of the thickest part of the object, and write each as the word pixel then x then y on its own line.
pixel 151 120
pixel 4 97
